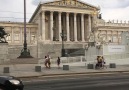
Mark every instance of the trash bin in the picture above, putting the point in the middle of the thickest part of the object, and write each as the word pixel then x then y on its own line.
pixel 65 67
pixel 90 66
pixel 6 70
pixel 112 65
pixel 38 68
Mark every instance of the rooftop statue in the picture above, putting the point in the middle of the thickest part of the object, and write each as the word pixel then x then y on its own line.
pixel 3 35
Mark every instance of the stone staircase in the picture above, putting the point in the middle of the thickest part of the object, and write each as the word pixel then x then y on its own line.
pixel 22 61
pixel 80 52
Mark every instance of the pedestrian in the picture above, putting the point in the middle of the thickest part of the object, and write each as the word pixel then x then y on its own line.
pixel 48 61
pixel 103 62
pixel 58 62
pixel 99 62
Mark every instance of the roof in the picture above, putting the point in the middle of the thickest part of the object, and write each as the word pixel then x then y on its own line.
pixel 65 3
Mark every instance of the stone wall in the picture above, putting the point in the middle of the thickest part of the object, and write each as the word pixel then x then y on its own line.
pixel 3 52
pixel 14 51
pixel 54 50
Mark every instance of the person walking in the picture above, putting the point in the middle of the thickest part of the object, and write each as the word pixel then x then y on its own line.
pixel 48 61
pixel 58 62
pixel 103 62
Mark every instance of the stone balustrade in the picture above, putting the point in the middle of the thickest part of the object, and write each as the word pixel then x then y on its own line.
pixel 113 23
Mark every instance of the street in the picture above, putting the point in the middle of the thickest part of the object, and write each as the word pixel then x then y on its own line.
pixel 81 82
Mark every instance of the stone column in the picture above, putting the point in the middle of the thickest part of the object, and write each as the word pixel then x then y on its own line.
pixel 118 36
pixel 82 27
pixel 67 25
pixel 112 35
pixel 39 35
pixel 29 36
pixel 106 35
pixel 12 35
pixel 60 29
pixel 71 28
pixel 51 25
pixel 75 27
pixel 43 26
pixel 89 24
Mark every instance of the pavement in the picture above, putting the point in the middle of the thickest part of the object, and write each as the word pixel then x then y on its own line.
pixel 28 70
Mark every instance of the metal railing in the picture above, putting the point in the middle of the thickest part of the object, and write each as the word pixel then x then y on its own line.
pixel 89 59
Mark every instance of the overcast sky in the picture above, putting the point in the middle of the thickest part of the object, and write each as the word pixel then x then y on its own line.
pixel 12 10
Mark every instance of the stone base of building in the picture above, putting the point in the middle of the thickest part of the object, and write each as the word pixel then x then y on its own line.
pixel 41 49
pixel 3 52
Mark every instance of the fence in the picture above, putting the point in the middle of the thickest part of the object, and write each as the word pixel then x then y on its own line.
pixel 88 59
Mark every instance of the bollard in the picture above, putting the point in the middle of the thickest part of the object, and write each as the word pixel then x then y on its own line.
pixel 6 70
pixel 38 68
pixel 90 66
pixel 112 65
pixel 65 67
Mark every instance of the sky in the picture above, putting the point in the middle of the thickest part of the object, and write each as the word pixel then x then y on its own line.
pixel 13 10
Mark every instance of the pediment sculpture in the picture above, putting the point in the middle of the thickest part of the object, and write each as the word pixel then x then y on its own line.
pixel 71 3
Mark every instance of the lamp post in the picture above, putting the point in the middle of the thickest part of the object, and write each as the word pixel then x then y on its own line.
pixel 25 53
pixel 62 37
pixel 86 48
pixel 98 47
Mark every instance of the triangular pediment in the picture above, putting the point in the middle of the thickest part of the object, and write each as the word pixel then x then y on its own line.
pixel 71 3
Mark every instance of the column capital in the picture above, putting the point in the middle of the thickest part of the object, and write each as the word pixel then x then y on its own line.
pixel 51 11
pixel 82 14
pixel 42 11
pixel 89 15
pixel 67 13
pixel 59 12
pixel 75 14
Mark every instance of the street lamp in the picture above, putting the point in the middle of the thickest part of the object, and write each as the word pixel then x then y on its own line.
pixel 25 53
pixel 62 37
pixel 98 46
pixel 86 48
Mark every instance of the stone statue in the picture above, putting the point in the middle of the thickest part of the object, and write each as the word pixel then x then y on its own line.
pixel 100 16
pixel 3 35
pixel 101 39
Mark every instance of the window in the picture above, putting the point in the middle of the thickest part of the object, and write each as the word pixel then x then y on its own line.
pixel 8 37
pixel 16 37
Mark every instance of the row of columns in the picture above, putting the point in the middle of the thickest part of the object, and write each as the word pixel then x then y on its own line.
pixel 67 26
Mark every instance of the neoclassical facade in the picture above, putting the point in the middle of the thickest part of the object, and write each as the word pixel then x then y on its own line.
pixel 75 18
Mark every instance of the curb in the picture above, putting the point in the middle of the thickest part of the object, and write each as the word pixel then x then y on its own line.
pixel 80 73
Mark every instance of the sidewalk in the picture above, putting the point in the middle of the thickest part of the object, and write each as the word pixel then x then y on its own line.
pixel 28 70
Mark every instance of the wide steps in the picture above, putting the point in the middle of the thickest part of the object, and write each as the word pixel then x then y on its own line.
pixel 22 61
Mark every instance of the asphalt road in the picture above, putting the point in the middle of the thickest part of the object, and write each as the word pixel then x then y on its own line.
pixel 81 82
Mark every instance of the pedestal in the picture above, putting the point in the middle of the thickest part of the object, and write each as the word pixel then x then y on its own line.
pixel 3 52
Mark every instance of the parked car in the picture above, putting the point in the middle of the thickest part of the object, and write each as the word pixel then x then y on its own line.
pixel 10 83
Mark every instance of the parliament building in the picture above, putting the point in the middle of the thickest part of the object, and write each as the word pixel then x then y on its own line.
pixel 80 23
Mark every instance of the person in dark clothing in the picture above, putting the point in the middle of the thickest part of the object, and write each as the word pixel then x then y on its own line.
pixel 58 62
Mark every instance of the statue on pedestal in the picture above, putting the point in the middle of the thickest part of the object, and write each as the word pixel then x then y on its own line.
pixel 3 35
